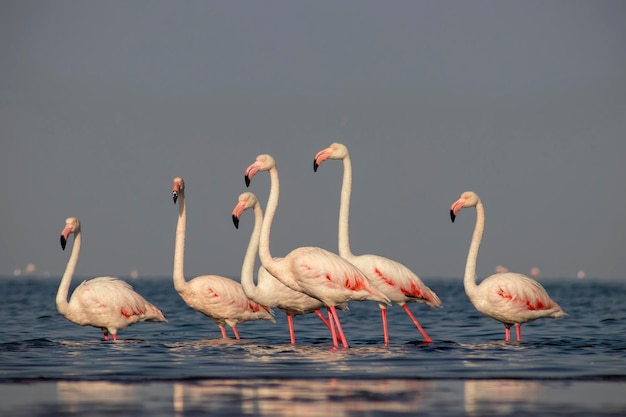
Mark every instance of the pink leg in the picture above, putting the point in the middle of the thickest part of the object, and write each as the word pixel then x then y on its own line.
pixel 106 335
pixel 507 334
pixel 321 316
pixel 332 328
pixel 344 342
pixel 223 332
pixel 518 331
pixel 115 336
pixel 383 312
pixel 236 332
pixel 416 323
pixel 292 334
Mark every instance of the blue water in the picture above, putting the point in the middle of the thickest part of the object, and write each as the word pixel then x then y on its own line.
pixel 561 367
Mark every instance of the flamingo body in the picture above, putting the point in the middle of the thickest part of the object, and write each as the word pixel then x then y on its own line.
pixel 219 298
pixel 222 300
pixel 508 297
pixel 107 303
pixel 314 271
pixel 396 281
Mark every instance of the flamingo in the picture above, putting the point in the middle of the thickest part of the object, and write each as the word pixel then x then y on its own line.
pixel 391 278
pixel 107 303
pixel 510 298
pixel 314 271
pixel 269 291
pixel 219 298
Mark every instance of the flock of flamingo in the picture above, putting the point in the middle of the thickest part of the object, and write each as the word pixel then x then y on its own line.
pixel 306 280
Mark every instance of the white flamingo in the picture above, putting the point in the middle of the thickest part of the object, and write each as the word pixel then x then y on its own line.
pixel 104 302
pixel 392 278
pixel 269 291
pixel 510 298
pixel 219 298
pixel 312 270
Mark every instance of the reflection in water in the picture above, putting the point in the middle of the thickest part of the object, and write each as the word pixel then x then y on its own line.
pixel 498 397
pixel 315 397
pixel 298 397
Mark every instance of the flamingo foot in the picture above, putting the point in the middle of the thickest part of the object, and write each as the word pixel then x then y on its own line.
pixel 321 316
pixel 292 334
pixel 416 323
pixel 344 341
pixel 236 332
pixel 383 312
pixel 332 328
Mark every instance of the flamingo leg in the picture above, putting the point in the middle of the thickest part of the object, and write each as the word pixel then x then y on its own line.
pixel 292 334
pixel 416 323
pixel 321 316
pixel 115 337
pixel 518 331
pixel 344 342
pixel 383 312
pixel 507 334
pixel 223 332
pixel 332 328
pixel 236 332
pixel 106 335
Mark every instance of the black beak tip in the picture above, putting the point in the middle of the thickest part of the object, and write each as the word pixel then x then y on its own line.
pixel 452 215
pixel 236 221
pixel 247 181
pixel 315 166
pixel 63 242
pixel 175 197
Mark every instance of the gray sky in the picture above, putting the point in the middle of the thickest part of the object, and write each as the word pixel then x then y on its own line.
pixel 103 103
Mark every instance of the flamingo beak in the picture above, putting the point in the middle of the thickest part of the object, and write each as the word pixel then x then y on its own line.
pixel 65 234
pixel 237 212
pixel 175 195
pixel 320 157
pixel 455 208
pixel 250 172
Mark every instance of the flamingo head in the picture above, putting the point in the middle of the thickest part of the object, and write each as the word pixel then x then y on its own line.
pixel 178 188
pixel 72 226
pixel 263 162
pixel 334 151
pixel 246 200
pixel 467 199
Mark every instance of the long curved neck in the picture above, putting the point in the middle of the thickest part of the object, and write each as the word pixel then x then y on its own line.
pixel 247 268
pixel 270 209
pixel 64 286
pixel 344 210
pixel 179 246
pixel 469 280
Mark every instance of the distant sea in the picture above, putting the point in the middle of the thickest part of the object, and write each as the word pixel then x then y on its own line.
pixel 573 366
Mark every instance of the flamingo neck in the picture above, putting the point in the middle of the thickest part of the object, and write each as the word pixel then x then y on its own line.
pixel 469 280
pixel 66 280
pixel 344 210
pixel 247 268
pixel 179 246
pixel 270 210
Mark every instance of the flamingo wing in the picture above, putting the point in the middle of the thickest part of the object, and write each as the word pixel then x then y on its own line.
pixel 517 298
pixel 222 298
pixel 395 280
pixel 340 280
pixel 111 302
